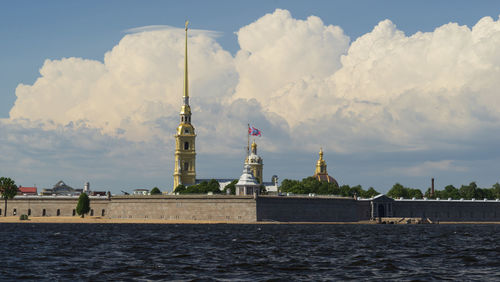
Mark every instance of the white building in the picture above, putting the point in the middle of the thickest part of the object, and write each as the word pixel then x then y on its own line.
pixel 247 185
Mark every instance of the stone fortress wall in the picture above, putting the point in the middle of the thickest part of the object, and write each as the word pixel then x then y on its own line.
pixel 307 209
pixel 444 210
pixel 249 209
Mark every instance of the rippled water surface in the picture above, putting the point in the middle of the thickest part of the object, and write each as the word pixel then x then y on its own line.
pixel 244 252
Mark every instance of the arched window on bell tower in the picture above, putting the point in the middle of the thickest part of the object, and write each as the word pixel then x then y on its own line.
pixel 186 145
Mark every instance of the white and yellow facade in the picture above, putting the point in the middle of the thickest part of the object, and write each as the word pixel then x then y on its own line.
pixel 185 137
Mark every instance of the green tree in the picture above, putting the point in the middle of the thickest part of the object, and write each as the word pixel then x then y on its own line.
pixel 8 189
pixel 155 191
pixel 398 191
pixel 496 191
pixel 231 187
pixel 83 206
pixel 370 193
pixel 468 191
pixel 414 193
pixel 180 189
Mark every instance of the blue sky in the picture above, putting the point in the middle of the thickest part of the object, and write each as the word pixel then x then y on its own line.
pixel 34 31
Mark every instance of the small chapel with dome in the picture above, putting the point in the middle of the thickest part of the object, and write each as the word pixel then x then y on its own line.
pixel 321 174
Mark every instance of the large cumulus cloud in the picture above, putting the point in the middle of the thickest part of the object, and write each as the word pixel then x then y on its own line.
pixel 302 81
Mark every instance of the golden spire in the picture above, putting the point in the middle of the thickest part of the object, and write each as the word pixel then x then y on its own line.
pixel 186 91
pixel 254 147
pixel 321 164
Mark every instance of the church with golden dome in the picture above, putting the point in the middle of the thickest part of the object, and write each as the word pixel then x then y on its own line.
pixel 185 153
pixel 320 173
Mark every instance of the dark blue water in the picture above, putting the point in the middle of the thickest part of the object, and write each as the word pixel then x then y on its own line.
pixel 248 252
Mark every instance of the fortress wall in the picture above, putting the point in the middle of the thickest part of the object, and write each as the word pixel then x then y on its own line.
pixel 185 207
pixel 448 210
pixel 364 210
pixel 65 205
pixel 306 209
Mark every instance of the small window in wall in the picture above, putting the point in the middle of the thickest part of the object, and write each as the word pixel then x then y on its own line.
pixel 0 211
pixel 74 212
pixel 14 212
pixel 186 166
pixel 91 212
pixel 29 212
pixel 102 212
pixel 44 212
pixel 58 212
pixel 186 145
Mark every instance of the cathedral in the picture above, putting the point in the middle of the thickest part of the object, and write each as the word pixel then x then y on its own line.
pixel 185 153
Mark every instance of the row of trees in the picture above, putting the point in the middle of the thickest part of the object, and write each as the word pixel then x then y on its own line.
pixel 313 185
pixel 202 188
pixel 467 192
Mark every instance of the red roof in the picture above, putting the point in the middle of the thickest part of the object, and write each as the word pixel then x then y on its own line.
pixel 27 189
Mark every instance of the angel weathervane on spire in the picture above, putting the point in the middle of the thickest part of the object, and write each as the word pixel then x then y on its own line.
pixel 187 22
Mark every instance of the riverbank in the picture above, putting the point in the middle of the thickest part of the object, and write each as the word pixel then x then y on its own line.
pixel 100 220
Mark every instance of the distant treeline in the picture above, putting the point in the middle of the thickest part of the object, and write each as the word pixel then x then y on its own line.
pixel 202 188
pixel 466 192
pixel 210 186
pixel 312 185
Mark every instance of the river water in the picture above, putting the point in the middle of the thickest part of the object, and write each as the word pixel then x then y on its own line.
pixel 248 252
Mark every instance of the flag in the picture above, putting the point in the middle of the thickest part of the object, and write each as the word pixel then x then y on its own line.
pixel 253 131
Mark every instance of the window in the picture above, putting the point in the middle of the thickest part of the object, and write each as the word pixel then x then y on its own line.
pixel 29 211
pixel 102 212
pixel 44 212
pixel 186 145
pixel 74 212
pixel 14 212
pixel 58 212
pixel 186 130
pixel 0 211
pixel 186 166
pixel 91 212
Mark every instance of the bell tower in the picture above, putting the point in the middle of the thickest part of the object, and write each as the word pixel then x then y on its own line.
pixel 185 154
pixel 255 163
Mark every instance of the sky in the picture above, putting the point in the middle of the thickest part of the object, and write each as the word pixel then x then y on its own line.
pixel 393 91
